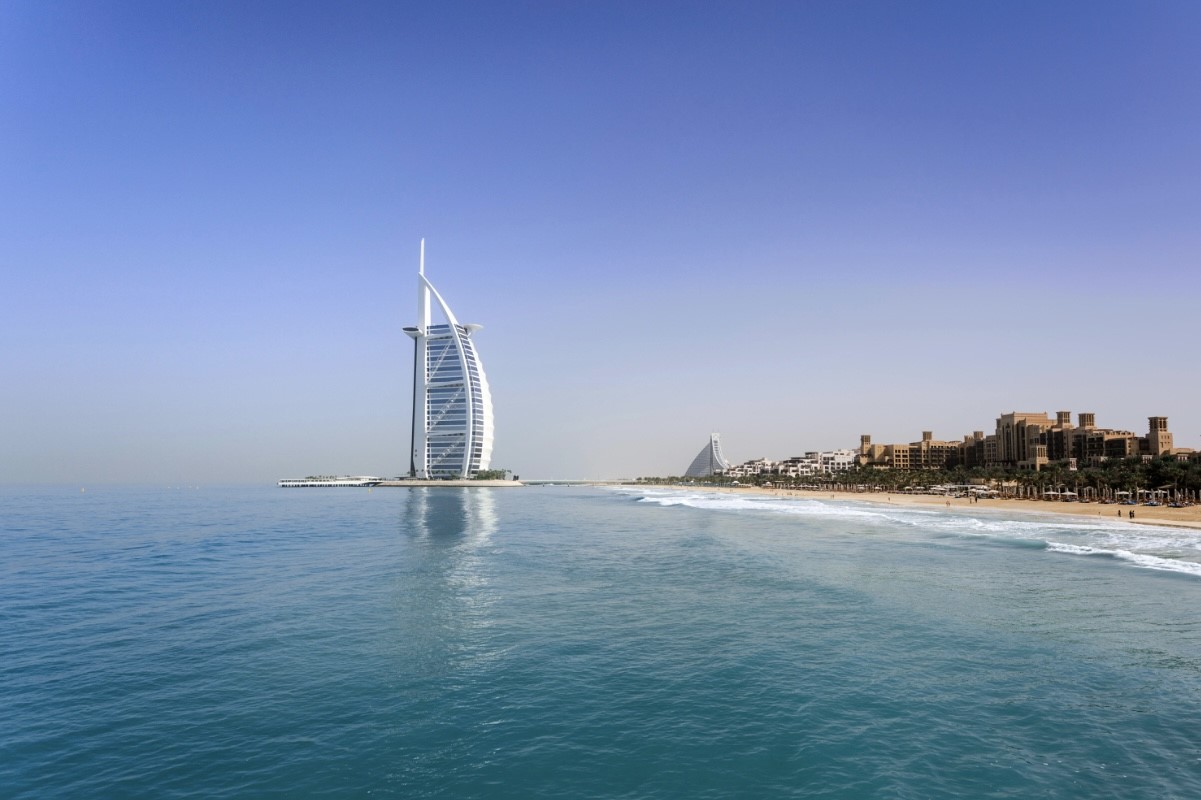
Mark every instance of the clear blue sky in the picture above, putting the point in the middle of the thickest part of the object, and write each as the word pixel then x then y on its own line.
pixel 791 223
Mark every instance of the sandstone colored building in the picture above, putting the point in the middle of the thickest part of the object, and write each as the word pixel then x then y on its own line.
pixel 1026 440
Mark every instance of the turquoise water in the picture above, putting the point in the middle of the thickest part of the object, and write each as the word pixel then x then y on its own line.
pixel 555 642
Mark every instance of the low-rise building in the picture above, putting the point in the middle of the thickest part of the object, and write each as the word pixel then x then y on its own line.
pixel 813 464
pixel 927 453
pixel 748 469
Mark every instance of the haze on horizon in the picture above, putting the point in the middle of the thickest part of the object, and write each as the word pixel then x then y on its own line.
pixel 790 223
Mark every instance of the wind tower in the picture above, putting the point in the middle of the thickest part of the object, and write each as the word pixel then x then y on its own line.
pixel 452 426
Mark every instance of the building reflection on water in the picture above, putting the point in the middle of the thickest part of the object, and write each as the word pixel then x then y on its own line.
pixel 450 516
pixel 443 597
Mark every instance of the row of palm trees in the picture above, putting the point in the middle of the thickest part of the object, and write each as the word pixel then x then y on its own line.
pixel 1163 479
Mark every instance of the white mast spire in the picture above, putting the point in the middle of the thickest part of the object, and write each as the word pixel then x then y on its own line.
pixel 423 294
pixel 418 465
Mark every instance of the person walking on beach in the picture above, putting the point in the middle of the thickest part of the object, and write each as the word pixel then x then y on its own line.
pixel 1132 513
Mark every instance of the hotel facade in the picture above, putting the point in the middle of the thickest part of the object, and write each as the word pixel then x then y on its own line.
pixel 452 428
pixel 709 461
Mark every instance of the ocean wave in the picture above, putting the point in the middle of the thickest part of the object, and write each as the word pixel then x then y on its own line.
pixel 1140 545
pixel 775 505
pixel 1141 559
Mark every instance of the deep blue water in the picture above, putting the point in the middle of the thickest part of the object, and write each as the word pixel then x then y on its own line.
pixel 555 642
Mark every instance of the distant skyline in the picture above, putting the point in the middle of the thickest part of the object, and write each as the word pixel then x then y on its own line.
pixel 791 223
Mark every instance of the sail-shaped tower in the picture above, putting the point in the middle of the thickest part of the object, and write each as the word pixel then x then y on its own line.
pixel 709 460
pixel 452 406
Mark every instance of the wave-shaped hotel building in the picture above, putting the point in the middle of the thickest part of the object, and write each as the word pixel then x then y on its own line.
pixel 709 461
pixel 452 405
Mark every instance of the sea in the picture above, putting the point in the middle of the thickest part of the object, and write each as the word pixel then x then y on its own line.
pixel 586 642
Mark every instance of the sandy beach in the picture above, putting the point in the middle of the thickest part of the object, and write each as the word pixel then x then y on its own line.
pixel 1148 515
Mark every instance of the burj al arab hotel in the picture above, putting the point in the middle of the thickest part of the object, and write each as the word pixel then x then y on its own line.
pixel 452 406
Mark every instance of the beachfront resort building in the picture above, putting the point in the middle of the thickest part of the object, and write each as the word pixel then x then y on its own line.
pixel 709 461
pixel 452 405
pixel 1026 440
pixel 812 464
pixel 1022 440
pixel 1031 441
pixel 928 453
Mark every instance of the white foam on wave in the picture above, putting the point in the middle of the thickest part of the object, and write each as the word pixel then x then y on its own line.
pixel 1140 545
pixel 1076 549
pixel 720 502
pixel 953 520
pixel 1141 559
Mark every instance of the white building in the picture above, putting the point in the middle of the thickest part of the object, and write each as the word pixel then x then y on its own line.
pixel 747 469
pixel 838 460
pixel 811 464
pixel 452 406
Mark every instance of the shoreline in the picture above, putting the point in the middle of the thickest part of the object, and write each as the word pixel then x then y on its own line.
pixel 1143 515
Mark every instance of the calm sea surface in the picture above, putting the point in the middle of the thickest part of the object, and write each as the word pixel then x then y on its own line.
pixel 560 642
